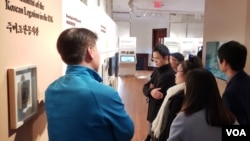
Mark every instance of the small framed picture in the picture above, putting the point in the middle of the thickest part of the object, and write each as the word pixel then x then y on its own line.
pixel 22 89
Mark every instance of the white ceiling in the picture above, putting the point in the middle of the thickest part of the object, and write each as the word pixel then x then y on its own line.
pixel 126 10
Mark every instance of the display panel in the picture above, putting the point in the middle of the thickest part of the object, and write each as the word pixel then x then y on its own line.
pixel 127 58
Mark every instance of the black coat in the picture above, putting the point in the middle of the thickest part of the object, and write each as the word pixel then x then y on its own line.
pixel 171 109
pixel 164 78
pixel 237 97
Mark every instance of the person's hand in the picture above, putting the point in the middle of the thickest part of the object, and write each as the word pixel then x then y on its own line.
pixel 156 94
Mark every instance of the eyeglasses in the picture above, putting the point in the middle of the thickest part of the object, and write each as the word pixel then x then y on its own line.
pixel 174 60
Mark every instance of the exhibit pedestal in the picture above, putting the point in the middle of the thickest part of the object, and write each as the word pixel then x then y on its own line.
pixel 126 69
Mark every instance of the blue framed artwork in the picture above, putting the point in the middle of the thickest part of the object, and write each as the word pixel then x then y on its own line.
pixel 211 62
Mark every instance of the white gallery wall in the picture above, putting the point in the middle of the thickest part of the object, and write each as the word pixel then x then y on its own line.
pixel 195 30
pixel 186 25
pixel 123 28
pixel 142 30
pixel 92 17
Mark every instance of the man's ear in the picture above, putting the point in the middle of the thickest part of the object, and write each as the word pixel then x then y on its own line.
pixel 166 58
pixel 224 62
pixel 90 52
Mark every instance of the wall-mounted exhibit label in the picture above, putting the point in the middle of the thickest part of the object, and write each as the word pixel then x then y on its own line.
pixel 29 13
pixel 71 20
pixel 36 13
pixel 25 29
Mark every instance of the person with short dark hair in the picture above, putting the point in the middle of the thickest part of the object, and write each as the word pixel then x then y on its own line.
pixel 202 114
pixel 175 59
pixel 162 78
pixel 232 57
pixel 77 105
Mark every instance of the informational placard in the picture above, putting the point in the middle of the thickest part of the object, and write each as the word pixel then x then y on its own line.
pixel 127 55
pixel 29 30
pixel 186 46
pixel 173 44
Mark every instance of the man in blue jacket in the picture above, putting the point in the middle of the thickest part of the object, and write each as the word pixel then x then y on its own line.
pixel 78 106
pixel 232 59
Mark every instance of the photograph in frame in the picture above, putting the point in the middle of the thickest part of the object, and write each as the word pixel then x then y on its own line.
pixel 212 59
pixel 22 88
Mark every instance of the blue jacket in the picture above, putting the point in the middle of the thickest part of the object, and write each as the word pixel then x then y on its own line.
pixel 80 108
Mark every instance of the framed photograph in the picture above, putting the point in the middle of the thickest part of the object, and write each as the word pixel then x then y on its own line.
pixel 212 61
pixel 22 88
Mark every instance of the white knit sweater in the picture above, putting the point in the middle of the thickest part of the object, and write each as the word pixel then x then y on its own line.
pixel 156 125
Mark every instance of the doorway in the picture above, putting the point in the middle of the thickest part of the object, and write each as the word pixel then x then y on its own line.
pixel 158 36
